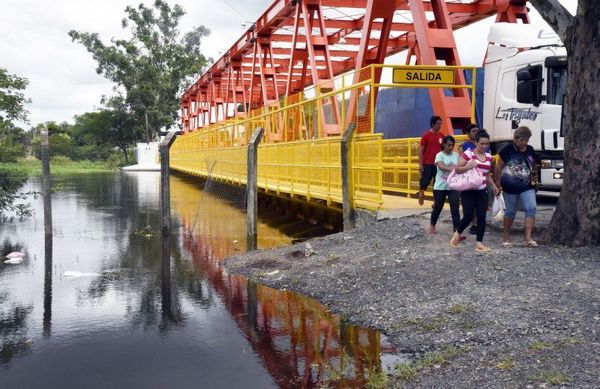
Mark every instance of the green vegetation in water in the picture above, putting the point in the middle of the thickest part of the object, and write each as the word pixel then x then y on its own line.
pixel 378 379
pixel 60 165
pixel 336 373
pixel 145 232
pixel 408 371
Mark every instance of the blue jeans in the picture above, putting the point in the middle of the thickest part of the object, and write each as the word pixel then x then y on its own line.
pixel 527 199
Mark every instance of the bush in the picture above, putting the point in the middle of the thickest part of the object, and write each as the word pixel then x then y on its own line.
pixel 116 159
pixel 62 145
pixel 11 180
pixel 11 152
pixel 59 144
pixel 91 152
pixel 60 160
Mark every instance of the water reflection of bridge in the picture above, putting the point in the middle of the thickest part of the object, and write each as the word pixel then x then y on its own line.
pixel 299 341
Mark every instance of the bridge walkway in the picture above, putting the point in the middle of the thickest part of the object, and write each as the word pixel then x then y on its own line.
pixel 299 158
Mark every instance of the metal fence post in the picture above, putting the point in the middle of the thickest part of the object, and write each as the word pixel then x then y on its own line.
pixel 165 192
pixel 347 177
pixel 252 188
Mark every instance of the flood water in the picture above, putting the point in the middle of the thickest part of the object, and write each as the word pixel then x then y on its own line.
pixel 108 303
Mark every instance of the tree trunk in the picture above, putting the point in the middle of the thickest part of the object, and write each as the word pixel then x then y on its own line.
pixel 124 149
pixel 576 221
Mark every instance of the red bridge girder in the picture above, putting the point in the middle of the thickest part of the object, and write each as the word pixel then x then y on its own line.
pixel 295 44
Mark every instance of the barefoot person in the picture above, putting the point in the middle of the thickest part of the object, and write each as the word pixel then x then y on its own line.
pixel 516 175
pixel 475 201
pixel 431 144
pixel 445 162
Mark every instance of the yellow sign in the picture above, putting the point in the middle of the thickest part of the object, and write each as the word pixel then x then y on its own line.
pixel 422 75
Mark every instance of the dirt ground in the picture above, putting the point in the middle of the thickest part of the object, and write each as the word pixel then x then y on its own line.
pixel 516 317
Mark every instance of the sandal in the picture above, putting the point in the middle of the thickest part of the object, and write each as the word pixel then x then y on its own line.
pixel 531 243
pixel 507 244
pixel 483 249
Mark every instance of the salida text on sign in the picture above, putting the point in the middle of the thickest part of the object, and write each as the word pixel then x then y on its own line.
pixel 417 75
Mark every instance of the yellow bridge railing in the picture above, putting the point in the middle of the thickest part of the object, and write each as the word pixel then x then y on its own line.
pixel 300 151
pixel 400 164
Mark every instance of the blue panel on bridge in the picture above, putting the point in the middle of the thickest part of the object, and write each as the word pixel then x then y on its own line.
pixel 405 112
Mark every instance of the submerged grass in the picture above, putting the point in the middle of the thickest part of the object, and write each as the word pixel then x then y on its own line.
pixel 408 371
pixel 377 379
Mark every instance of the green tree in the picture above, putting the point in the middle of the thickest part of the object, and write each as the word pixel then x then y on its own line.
pixel 12 98
pixel 12 107
pixel 92 128
pixel 58 138
pixel 124 130
pixel 13 141
pixel 152 67
pixel 575 221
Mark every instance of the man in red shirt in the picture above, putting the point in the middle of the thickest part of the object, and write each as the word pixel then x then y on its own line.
pixel 431 144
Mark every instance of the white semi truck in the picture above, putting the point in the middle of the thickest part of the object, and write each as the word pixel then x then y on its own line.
pixel 525 84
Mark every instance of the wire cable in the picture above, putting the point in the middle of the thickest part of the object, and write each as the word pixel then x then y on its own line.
pixel 235 10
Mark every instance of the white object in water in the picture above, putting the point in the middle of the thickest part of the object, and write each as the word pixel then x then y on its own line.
pixel 15 254
pixel 14 261
pixel 77 274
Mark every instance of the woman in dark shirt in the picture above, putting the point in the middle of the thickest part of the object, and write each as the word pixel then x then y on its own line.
pixel 516 175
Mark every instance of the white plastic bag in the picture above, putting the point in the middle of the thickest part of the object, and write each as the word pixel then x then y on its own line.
pixel 498 208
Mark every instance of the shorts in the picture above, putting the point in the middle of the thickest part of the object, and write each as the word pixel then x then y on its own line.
pixel 527 199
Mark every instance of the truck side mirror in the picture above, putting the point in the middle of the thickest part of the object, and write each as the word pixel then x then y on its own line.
pixel 524 92
pixel 524 74
pixel 529 85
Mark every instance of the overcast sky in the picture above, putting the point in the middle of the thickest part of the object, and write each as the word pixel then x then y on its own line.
pixel 63 81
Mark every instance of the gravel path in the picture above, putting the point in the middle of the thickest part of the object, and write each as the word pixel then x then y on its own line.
pixel 516 317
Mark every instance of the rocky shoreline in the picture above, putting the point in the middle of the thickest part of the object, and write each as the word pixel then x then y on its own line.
pixel 515 317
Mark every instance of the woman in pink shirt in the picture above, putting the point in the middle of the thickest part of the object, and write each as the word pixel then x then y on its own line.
pixel 475 201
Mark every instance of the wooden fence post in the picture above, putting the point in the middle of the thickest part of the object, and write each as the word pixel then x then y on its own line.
pixel 46 181
pixel 165 192
pixel 347 177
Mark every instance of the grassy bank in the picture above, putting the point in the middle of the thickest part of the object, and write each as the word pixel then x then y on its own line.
pixel 60 165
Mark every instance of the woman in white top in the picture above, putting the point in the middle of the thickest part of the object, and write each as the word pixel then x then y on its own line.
pixel 445 161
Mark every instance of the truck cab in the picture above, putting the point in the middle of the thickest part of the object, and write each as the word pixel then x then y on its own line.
pixel 525 84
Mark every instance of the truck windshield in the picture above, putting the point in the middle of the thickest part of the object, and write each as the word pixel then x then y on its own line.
pixel 557 84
